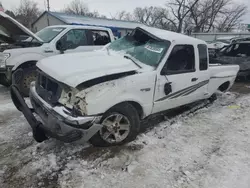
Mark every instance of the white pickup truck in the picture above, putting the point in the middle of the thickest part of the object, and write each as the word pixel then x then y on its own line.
pixel 102 96
pixel 18 59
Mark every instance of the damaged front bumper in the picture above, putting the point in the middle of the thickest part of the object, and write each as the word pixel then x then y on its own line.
pixel 56 122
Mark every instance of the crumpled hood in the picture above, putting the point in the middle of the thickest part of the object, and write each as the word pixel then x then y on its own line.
pixel 243 62
pixel 76 68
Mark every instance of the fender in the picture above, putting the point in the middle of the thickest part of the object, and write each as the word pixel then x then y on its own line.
pixel 111 93
pixel 18 60
pixel 220 75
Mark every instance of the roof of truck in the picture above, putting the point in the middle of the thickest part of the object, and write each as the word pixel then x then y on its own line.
pixel 80 26
pixel 159 33
pixel 172 36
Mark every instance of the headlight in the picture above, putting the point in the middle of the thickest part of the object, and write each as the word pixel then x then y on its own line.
pixel 74 100
pixel 3 58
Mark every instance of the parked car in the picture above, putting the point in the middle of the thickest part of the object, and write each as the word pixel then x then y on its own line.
pixel 236 53
pixel 102 96
pixel 18 59
pixel 217 44
pixel 222 42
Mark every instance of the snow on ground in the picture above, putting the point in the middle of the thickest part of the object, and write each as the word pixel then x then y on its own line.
pixel 207 148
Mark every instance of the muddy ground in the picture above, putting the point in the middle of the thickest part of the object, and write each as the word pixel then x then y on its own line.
pixel 207 145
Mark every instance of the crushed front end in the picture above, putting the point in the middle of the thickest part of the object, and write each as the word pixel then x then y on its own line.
pixel 54 119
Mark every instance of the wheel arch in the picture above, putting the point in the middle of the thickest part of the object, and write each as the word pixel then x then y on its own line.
pixel 135 104
pixel 224 87
pixel 26 64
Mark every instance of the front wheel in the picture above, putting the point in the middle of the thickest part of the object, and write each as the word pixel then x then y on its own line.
pixel 23 79
pixel 121 124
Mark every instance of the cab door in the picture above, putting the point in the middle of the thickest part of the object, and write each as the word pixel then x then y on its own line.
pixel 178 82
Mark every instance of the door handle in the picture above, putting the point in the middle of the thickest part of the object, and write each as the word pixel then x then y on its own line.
pixel 48 51
pixel 194 79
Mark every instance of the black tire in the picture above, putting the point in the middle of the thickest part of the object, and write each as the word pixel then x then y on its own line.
pixel 213 98
pixel 28 75
pixel 131 114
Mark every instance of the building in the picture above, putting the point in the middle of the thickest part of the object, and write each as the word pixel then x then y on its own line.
pixel 119 27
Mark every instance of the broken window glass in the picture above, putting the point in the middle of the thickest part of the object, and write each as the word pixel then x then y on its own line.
pixel 142 47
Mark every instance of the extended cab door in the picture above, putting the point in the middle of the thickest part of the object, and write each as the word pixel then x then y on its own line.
pixel 82 40
pixel 178 82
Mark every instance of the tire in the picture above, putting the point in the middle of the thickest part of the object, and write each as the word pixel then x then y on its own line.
pixel 128 113
pixel 213 98
pixel 28 76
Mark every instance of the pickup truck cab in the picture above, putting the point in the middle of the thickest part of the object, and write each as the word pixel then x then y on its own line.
pixel 102 96
pixel 18 59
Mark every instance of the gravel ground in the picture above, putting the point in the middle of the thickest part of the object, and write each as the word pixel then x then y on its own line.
pixel 208 147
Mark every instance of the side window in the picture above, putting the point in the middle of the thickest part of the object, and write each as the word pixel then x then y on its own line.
pixel 202 48
pixel 74 38
pixel 100 38
pixel 181 60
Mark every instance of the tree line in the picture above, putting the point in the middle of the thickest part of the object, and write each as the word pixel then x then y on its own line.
pixel 175 15
pixel 192 15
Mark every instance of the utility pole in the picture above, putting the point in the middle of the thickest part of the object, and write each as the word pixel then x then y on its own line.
pixel 48 7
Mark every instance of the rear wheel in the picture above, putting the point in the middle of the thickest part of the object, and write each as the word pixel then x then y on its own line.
pixel 28 75
pixel 121 124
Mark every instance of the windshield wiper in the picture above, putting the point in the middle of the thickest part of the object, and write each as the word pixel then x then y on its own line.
pixel 127 57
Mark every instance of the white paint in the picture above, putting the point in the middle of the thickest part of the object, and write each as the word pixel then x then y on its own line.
pixel 80 67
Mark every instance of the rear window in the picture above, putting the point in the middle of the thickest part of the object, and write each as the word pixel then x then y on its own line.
pixel 100 38
pixel 203 57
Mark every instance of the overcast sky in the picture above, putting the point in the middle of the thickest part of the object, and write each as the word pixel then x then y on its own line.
pixel 105 7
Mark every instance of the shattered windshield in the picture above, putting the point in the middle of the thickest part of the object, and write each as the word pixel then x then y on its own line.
pixel 145 49
pixel 48 34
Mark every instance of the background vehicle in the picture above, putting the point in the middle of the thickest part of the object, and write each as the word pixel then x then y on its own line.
pixel 237 53
pixel 19 57
pixel 222 42
pixel 102 96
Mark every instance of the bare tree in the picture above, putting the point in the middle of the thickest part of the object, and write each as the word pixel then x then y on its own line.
pixel 123 15
pixel 153 16
pixel 27 12
pixel 189 15
pixel 180 10
pixel 10 13
pixel 203 14
pixel 77 7
pixel 148 15
pixel 215 14
pixel 231 17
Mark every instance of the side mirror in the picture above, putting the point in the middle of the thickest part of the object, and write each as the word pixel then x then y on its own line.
pixel 59 46
pixel 168 88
